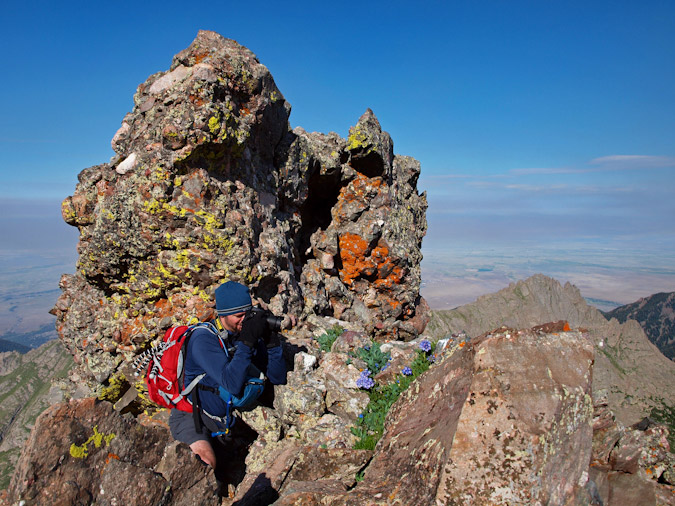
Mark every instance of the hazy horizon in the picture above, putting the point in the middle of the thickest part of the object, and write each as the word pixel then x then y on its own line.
pixel 39 247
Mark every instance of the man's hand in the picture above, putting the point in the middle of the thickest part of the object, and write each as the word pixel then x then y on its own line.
pixel 289 321
pixel 255 327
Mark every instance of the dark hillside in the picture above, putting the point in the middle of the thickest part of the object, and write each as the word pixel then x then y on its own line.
pixel 656 315
pixel 11 346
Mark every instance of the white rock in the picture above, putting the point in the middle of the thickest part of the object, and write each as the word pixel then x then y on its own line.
pixel 167 80
pixel 127 164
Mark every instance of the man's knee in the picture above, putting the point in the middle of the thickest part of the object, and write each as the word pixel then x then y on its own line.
pixel 204 451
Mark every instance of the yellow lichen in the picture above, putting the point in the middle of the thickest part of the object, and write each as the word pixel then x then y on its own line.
pixel 357 139
pixel 214 124
pixel 82 451
pixel 115 389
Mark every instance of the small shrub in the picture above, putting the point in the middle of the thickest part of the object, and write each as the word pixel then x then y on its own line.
pixel 326 340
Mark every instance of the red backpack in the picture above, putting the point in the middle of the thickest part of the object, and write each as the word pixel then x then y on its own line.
pixel 164 365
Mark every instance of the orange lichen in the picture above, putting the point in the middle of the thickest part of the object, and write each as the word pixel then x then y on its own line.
pixel 361 190
pixel 359 261
pixel 566 327
pixel 196 100
pixel 354 255
pixel 111 456
pixel 131 328
pixel 201 56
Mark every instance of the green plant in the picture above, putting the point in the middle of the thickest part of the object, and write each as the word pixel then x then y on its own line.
pixel 327 339
pixel 370 424
pixel 374 358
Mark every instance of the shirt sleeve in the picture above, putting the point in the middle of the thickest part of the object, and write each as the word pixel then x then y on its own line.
pixel 230 374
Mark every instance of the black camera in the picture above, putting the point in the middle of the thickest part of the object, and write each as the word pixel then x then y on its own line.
pixel 273 322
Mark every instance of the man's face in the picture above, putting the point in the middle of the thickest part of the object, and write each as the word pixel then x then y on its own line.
pixel 233 322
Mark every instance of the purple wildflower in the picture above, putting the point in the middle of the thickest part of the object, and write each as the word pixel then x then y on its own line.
pixel 431 358
pixel 425 346
pixel 365 381
pixel 407 371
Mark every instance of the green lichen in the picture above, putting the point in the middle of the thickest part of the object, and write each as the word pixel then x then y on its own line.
pixel 98 438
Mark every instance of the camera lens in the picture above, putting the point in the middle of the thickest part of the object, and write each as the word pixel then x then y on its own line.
pixel 274 322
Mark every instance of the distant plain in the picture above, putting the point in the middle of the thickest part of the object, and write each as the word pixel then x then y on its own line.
pixel 451 277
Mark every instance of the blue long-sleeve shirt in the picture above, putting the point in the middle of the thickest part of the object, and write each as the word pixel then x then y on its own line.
pixel 205 355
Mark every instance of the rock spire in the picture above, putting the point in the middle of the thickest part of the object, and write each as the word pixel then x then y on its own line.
pixel 209 183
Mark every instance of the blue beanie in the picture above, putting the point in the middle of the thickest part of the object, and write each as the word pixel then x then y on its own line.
pixel 232 298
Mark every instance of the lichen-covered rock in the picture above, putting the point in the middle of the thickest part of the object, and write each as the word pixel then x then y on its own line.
pixel 343 396
pixel 289 462
pixel 300 398
pixel 366 225
pixel 82 452
pixel 209 183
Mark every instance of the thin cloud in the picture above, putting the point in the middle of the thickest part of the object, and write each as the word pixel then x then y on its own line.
pixel 548 170
pixel 624 162
pixel 538 188
pixel 603 164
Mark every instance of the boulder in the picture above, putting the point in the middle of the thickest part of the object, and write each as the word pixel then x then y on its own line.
pixel 502 420
pixel 83 452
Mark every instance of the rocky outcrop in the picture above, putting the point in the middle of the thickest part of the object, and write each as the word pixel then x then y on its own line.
pixel 656 315
pixel 499 421
pixel 629 369
pixel 83 452
pixel 630 465
pixel 209 183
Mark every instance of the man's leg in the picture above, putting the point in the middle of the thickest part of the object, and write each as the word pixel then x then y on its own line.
pixel 183 429
pixel 204 451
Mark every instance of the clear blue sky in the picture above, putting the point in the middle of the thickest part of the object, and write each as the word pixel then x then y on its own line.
pixel 533 120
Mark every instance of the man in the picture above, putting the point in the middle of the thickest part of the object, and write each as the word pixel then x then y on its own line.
pixel 255 344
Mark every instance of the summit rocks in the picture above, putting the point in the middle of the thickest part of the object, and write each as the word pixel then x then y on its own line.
pixel 210 183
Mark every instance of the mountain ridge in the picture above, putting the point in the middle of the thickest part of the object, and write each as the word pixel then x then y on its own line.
pixel 210 183
pixel 656 315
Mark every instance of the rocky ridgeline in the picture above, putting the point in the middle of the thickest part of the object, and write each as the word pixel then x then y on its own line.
pixel 209 183
pixel 497 420
pixel 25 391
